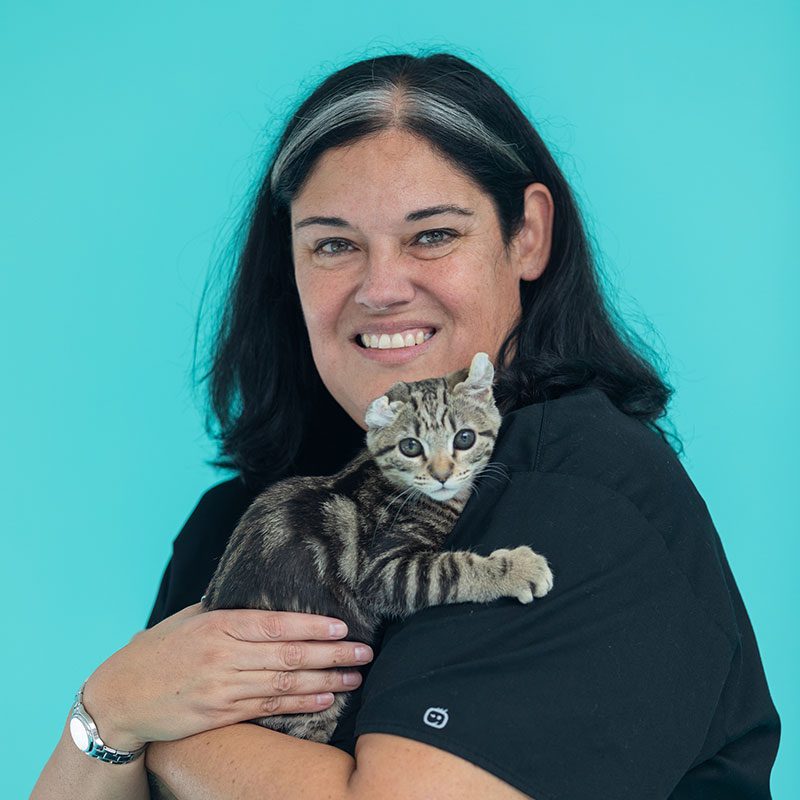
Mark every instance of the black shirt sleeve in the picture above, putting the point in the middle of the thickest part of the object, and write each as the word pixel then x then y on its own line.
pixel 636 677
pixel 198 547
pixel 742 740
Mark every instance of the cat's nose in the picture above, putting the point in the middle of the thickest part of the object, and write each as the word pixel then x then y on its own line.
pixel 440 470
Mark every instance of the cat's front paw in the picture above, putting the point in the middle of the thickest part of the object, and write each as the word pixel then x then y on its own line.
pixel 527 573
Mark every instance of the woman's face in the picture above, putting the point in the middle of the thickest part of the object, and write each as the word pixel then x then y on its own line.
pixel 391 241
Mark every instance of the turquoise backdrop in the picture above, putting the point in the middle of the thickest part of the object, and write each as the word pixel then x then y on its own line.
pixel 130 138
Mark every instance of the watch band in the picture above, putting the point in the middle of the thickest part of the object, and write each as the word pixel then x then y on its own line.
pixel 112 756
pixel 95 747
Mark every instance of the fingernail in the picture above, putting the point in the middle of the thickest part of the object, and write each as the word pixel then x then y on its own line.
pixel 363 653
pixel 325 698
pixel 338 629
pixel 351 678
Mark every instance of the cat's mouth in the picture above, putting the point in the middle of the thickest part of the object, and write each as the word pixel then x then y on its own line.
pixel 446 493
pixel 409 338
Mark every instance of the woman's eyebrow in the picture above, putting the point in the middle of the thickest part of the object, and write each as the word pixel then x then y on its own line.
pixel 432 211
pixel 413 216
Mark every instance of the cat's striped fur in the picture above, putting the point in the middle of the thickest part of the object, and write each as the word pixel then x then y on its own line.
pixel 364 544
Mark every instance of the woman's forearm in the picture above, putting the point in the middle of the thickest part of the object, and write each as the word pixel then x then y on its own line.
pixel 69 773
pixel 239 761
pixel 246 761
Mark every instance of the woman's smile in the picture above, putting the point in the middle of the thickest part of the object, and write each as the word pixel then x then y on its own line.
pixel 386 349
pixel 408 337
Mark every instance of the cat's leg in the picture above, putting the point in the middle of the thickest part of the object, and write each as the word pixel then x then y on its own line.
pixel 411 581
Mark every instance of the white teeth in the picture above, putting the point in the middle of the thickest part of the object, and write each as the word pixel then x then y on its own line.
pixel 396 340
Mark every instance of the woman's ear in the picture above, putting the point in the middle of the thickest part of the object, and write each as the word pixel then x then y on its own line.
pixel 530 248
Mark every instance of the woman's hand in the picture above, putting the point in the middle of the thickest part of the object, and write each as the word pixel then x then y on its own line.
pixel 198 670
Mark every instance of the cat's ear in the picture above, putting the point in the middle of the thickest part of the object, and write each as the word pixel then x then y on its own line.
pixel 381 412
pixel 478 383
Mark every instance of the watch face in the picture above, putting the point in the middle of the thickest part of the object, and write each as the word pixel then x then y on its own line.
pixel 79 734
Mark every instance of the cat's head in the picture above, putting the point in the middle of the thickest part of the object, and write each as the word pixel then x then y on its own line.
pixel 435 435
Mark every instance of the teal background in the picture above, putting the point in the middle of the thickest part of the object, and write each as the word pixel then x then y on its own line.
pixel 129 141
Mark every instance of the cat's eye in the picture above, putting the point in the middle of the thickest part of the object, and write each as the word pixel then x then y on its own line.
pixel 464 439
pixel 410 447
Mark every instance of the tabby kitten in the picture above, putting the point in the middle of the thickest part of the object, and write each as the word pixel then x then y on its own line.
pixel 364 544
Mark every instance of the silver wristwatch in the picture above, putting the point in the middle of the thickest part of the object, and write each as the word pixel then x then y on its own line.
pixel 87 739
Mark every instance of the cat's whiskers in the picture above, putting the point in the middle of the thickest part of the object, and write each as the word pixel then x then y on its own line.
pixel 385 509
pixel 496 465
pixel 494 470
pixel 398 496
pixel 494 476
pixel 413 495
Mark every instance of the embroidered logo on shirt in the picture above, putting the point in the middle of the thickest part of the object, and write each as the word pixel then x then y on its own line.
pixel 436 717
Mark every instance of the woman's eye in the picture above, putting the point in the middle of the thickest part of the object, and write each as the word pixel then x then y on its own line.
pixel 335 246
pixel 436 237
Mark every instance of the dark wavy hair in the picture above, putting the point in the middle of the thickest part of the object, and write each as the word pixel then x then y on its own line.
pixel 268 409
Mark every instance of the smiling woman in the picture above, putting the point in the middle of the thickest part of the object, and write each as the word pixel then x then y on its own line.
pixel 409 218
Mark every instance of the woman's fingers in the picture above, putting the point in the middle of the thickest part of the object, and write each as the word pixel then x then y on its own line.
pixel 280 704
pixel 254 684
pixel 298 655
pixel 252 625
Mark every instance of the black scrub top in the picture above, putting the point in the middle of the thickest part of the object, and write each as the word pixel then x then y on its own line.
pixel 637 677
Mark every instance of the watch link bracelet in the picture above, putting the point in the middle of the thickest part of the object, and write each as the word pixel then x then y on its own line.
pixel 87 739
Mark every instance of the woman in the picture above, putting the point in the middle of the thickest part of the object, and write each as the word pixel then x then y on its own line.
pixel 411 195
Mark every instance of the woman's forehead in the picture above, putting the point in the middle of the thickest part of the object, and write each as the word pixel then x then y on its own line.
pixel 395 173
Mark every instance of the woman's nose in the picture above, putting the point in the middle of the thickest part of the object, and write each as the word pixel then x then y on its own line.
pixel 384 281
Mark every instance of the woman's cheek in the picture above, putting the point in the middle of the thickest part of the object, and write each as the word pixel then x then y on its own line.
pixel 317 298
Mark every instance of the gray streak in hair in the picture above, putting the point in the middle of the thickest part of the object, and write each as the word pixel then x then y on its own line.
pixel 387 106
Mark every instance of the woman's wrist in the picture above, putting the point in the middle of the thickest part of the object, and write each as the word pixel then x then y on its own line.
pixel 101 702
